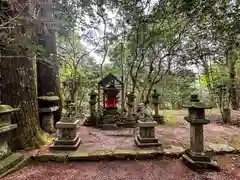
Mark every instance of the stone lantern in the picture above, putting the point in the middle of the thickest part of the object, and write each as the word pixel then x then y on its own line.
pixel 131 121
pixel 155 101
pixel 195 155
pixel 48 105
pixel 67 134
pixel 7 158
pixel 91 120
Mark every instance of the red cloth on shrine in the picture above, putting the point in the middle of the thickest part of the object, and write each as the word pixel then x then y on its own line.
pixel 111 101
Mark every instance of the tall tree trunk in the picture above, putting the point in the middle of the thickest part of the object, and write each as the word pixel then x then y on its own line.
pixel 48 74
pixel 208 80
pixel 232 86
pixel 18 89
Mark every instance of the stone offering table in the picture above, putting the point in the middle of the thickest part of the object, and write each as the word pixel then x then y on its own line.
pixel 146 134
pixel 67 135
pixel 155 101
pixel 195 155
pixel 48 105
pixel 7 158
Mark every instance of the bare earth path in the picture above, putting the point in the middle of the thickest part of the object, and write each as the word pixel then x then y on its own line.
pixel 175 132
pixel 165 169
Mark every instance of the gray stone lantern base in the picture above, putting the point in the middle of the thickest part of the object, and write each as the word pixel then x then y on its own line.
pixel 7 159
pixel 159 119
pixel 199 160
pixel 130 122
pixel 90 121
pixel 195 157
pixel 109 122
pixel 146 134
pixel 67 135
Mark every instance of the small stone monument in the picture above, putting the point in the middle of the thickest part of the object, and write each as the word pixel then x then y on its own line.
pixel 195 156
pixel 155 101
pixel 67 133
pixel 7 158
pixel 131 121
pixel 146 133
pixel 48 105
pixel 91 120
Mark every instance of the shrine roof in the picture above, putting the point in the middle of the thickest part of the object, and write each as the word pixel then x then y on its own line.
pixel 107 79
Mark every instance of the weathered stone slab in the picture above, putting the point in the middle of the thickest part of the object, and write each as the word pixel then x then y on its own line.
pixel 220 148
pixel 57 157
pixel 7 128
pixel 10 161
pixel 174 151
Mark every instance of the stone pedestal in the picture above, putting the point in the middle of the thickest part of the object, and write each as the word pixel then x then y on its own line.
pixel 131 121
pixel 109 122
pixel 195 156
pixel 109 119
pixel 67 135
pixel 7 159
pixel 122 121
pixel 146 134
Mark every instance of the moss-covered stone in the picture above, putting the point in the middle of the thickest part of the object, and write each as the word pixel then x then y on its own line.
pixel 61 157
pixel 48 98
pixel 4 108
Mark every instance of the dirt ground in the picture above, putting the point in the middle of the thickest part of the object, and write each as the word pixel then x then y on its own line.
pixel 174 132
pixel 164 169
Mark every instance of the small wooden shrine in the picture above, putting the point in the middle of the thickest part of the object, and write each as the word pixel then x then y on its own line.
pixel 109 88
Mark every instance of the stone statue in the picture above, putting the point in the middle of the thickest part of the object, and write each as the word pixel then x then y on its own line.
pixel 143 113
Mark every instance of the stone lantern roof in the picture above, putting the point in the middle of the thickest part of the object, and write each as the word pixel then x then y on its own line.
pixel 195 103
pixel 4 108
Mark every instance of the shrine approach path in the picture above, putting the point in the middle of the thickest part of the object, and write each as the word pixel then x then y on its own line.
pixel 164 169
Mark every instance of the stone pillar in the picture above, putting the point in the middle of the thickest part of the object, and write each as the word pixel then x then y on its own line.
pixel 67 135
pixel 130 122
pixel 7 159
pixel 195 155
pixel 155 101
pixel 91 120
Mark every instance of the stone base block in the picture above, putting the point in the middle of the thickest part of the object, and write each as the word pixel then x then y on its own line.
pixel 90 121
pixel 10 161
pixel 66 144
pixel 109 127
pixel 159 119
pixel 199 162
pixel 121 121
pixel 130 123
pixel 147 142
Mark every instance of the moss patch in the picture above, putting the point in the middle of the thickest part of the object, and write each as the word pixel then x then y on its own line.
pixel 170 117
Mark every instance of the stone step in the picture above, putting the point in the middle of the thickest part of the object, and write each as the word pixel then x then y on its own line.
pixel 10 162
pixel 17 166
